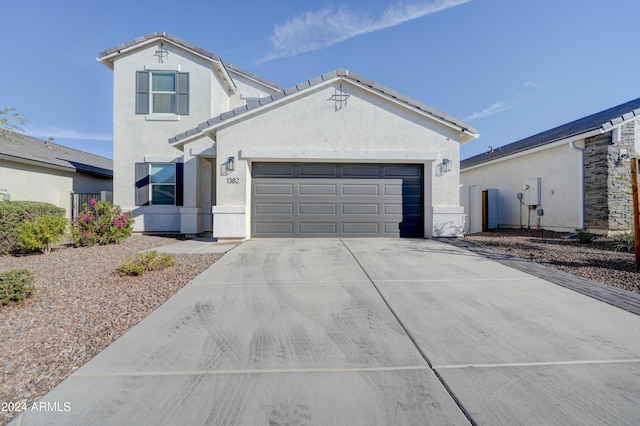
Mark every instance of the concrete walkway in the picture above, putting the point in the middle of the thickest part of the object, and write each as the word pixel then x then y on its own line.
pixel 362 332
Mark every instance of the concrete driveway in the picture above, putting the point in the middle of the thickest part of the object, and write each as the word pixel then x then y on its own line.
pixel 362 332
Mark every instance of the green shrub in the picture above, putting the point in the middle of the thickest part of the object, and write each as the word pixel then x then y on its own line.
pixel 101 223
pixel 623 242
pixel 13 214
pixel 586 237
pixel 15 286
pixel 130 268
pixel 43 233
pixel 146 261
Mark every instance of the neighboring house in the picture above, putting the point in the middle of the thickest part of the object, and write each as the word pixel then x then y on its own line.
pixel 203 146
pixel 36 170
pixel 575 176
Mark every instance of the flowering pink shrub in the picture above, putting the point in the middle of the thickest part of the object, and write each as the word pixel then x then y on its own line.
pixel 101 223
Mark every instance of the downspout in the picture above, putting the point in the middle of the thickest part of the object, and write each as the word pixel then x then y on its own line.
pixel 572 145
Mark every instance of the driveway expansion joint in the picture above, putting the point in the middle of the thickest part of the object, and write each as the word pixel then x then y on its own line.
pixel 254 371
pixel 538 364
pixel 411 338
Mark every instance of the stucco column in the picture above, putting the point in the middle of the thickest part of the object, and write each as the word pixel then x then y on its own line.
pixel 190 212
pixel 428 201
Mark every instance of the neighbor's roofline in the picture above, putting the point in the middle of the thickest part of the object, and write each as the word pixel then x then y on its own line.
pixel 467 131
pixel 609 125
pixel 543 147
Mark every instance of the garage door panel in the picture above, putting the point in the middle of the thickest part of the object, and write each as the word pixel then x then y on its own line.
pixel 273 189
pixel 317 189
pixel 325 208
pixel 273 170
pixel 318 228
pixel 320 200
pixel 402 171
pixel 361 171
pixel 268 209
pixel 317 170
pixel 367 209
pixel 392 189
pixel 361 189
pixel 360 228
pixel 269 228
pixel 391 228
pixel 415 190
pixel 411 210
pixel 395 209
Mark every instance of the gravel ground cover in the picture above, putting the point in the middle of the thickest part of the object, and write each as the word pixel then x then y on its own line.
pixel 80 306
pixel 549 248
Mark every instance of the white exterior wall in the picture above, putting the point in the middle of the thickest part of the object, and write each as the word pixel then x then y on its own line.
pixel 26 182
pixel 140 138
pixel 309 127
pixel 560 170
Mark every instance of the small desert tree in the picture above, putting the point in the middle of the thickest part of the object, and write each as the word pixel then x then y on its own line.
pixel 10 121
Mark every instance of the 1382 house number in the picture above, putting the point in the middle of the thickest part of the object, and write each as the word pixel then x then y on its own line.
pixel 234 181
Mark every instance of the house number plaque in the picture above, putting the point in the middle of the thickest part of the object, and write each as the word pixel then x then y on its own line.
pixel 234 181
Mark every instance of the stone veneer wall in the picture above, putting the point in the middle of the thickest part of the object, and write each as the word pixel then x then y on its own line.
pixel 607 182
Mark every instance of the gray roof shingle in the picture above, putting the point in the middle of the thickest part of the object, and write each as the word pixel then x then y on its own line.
pixel 604 120
pixel 21 147
pixel 340 73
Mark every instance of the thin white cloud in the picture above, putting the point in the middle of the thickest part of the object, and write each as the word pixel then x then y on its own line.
pixel 529 84
pixel 68 133
pixel 328 26
pixel 493 109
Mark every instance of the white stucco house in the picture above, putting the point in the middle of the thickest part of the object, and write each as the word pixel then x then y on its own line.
pixel 202 146
pixel 574 176
pixel 36 170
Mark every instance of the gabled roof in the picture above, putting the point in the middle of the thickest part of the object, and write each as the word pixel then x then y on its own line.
pixel 25 149
pixel 604 121
pixel 106 57
pixel 469 131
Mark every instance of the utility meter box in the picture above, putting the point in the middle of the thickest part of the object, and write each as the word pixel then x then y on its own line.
pixel 531 191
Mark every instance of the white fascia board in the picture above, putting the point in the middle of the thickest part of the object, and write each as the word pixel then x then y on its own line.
pixel 555 144
pixel 257 154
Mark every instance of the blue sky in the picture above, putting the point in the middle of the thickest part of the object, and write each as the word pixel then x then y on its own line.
pixel 510 68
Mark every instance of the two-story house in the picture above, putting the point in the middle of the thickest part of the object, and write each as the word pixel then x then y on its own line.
pixel 203 146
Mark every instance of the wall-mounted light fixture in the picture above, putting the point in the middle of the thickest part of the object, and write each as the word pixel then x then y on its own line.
pixel 444 167
pixel 447 165
pixel 231 164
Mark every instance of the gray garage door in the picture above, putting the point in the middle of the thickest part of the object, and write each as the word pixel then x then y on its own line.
pixel 331 200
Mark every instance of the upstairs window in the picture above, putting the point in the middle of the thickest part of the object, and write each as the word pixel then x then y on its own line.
pixel 162 92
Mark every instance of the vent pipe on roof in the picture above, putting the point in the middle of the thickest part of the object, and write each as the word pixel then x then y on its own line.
pixel 49 142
